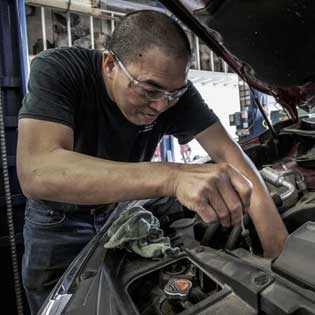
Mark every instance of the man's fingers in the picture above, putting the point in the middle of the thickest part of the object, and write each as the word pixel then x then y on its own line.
pixel 217 192
pixel 207 213
pixel 241 185
pixel 219 206
pixel 232 195
pixel 233 202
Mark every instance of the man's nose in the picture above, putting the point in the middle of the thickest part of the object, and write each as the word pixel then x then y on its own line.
pixel 159 105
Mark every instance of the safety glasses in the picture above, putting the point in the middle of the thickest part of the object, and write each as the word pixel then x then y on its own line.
pixel 147 90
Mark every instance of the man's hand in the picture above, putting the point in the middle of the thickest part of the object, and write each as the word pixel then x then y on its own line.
pixel 262 211
pixel 214 191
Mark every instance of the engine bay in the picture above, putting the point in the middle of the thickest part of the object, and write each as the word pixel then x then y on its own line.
pixel 289 177
pixel 218 270
pixel 172 289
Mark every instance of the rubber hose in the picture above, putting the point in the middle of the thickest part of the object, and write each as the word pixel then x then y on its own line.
pixel 210 231
pixel 235 235
pixel 8 201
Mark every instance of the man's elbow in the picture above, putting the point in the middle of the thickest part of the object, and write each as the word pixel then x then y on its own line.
pixel 31 183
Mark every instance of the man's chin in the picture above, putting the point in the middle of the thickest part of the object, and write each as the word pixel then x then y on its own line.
pixel 142 119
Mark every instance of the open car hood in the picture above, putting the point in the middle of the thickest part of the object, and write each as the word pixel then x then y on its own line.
pixel 269 44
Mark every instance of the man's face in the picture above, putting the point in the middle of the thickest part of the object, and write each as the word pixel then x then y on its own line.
pixel 154 70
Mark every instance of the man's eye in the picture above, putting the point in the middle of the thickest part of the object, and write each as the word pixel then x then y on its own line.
pixel 149 89
pixel 153 93
pixel 140 90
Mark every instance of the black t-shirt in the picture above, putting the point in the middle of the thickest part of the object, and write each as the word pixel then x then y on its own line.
pixel 66 86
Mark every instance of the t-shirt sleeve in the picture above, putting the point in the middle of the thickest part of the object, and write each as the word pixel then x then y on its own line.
pixel 52 91
pixel 190 116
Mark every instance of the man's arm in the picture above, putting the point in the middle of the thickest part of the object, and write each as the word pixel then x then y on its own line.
pixel 48 169
pixel 270 228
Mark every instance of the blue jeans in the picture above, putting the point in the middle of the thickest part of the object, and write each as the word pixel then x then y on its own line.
pixel 53 238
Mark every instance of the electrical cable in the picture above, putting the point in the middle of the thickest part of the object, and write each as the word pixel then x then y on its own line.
pixel 8 202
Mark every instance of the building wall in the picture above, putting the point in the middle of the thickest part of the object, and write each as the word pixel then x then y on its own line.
pixel 220 91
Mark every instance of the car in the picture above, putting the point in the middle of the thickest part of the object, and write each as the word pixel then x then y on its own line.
pixel 271 46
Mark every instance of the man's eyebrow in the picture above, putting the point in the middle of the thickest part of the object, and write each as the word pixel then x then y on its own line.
pixel 154 83
pixel 159 86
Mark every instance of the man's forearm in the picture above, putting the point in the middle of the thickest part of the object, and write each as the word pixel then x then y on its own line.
pixel 271 230
pixel 264 214
pixel 71 177
pixel 268 223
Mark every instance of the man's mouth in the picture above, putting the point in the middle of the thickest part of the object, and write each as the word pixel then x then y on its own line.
pixel 150 115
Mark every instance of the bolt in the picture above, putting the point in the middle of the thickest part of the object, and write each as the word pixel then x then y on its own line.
pixel 261 279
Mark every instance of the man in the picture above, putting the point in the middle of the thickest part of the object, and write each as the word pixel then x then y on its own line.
pixel 89 116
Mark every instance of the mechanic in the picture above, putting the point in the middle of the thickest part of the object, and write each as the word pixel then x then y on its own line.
pixel 90 115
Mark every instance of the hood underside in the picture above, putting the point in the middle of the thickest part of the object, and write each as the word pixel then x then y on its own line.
pixel 270 44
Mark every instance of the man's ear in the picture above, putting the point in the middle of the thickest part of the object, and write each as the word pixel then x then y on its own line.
pixel 108 64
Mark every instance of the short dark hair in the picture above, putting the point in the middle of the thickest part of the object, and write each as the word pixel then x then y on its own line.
pixel 140 30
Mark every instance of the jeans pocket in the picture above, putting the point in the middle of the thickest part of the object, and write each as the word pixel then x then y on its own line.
pixel 37 213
